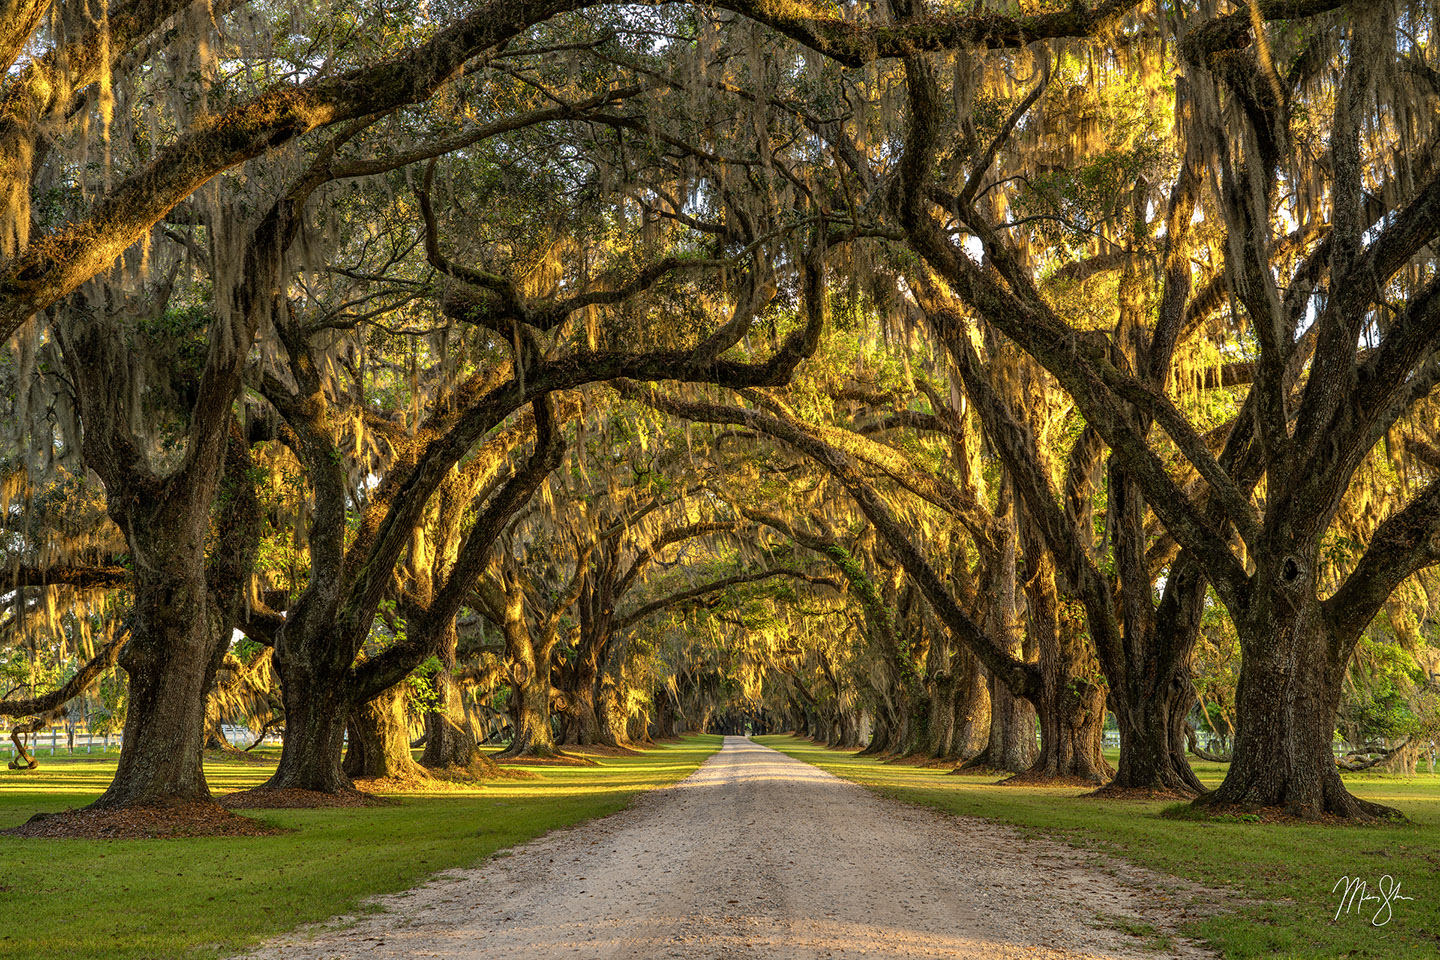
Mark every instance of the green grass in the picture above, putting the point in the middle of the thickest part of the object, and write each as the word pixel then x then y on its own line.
pixel 1280 875
pixel 194 898
pixel 1147 933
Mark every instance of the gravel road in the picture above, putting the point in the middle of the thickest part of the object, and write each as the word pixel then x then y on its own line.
pixel 760 855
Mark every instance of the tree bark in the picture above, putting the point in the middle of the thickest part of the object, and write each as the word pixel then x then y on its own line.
pixel 611 717
pixel 664 723
pixel 1011 743
pixel 901 734
pixel 972 710
pixel 582 722
pixel 637 727
pixel 379 739
pixel 940 723
pixel 171 662
pixel 880 733
pixel 316 713
pixel 449 737
pixel 1072 723
pixel 825 730
pixel 1285 708
pixel 530 710
pixel 215 740
pixel 1153 698
pixel 179 629
pixel 1071 704
pixel 1152 695
pixel 1152 742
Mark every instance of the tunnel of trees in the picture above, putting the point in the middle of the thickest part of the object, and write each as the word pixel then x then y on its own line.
pixel 967 381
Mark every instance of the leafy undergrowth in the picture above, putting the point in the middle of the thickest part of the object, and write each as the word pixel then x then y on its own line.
pixel 1284 875
pixel 180 899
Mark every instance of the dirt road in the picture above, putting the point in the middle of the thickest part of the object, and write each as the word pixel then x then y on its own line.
pixel 759 855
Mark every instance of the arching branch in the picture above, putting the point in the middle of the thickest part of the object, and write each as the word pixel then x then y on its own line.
pixel 628 620
pixel 1022 678
pixel 72 688
pixel 97 575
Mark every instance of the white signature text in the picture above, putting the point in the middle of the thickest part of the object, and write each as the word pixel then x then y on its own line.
pixel 1357 898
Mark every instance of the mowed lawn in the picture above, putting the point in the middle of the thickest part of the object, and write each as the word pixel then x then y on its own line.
pixel 1279 877
pixel 193 898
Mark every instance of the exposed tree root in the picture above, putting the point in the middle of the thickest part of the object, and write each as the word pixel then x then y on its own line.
pixel 983 763
pixel 1357 760
pixel 913 760
pixel 128 823
pixel 1112 791
pixel 1035 778
pixel 1192 743
pixel 388 785
pixel 1353 812
pixel 235 753
pixel 481 769
pixel 294 798
pixel 980 768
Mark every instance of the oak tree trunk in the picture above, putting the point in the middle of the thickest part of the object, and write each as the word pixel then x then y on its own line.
pixel 1011 743
pixel 1070 706
pixel 972 710
pixel 316 711
pixel 901 734
pixel 880 733
pixel 1285 711
pixel 1072 726
pixel 611 718
pixel 1152 741
pixel 171 659
pixel 582 722
pixel 637 728
pixel 449 738
pixel 1150 689
pixel 379 739
pixel 530 714
pixel 664 724
pixel 940 723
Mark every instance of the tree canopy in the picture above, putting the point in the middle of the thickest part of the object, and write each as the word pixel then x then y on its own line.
pixel 960 379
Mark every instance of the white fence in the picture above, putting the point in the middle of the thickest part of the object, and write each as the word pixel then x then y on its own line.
pixel 57 742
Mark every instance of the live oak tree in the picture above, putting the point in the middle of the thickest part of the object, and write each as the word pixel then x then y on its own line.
pixel 312 760
pixel 732 646
pixel 1069 748
pixel 1177 261
pixel 1305 431
pixel 754 483
pixel 87 75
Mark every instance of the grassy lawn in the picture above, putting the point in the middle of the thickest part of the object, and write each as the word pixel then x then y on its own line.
pixel 162 899
pixel 1285 873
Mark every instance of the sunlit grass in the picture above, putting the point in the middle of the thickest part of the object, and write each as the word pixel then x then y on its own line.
pixel 163 899
pixel 1278 877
